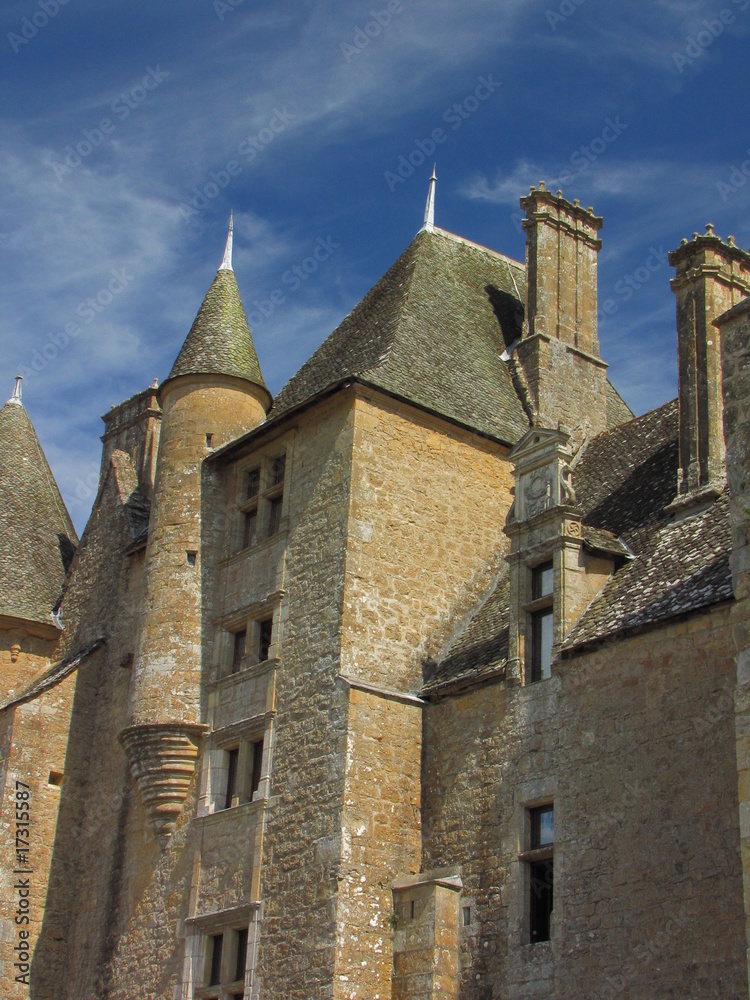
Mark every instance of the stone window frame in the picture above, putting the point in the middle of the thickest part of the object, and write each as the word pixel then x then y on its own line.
pixel 537 607
pixel 251 621
pixel 262 514
pixel 531 856
pixel 234 925
pixel 243 738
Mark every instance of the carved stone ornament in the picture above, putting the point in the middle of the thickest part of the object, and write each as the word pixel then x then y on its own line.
pixel 162 760
pixel 537 493
pixel 15 652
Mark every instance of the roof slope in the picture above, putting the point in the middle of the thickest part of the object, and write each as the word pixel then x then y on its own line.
pixel 37 537
pixel 624 481
pixel 431 331
pixel 220 341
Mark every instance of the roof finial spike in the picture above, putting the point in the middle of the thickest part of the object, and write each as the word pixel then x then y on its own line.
pixel 16 397
pixel 429 211
pixel 226 264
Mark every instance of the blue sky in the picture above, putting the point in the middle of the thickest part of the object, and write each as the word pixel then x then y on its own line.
pixel 129 130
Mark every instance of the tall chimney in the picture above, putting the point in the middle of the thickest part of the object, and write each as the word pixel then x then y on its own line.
pixel 559 350
pixel 710 277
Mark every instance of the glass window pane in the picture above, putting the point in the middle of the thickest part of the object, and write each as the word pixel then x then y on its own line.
pixel 278 466
pixel 542 581
pixel 253 483
pixel 216 944
pixel 239 972
pixel 542 826
pixel 275 518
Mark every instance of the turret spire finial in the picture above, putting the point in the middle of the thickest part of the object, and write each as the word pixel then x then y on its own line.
pixel 16 397
pixel 429 211
pixel 226 264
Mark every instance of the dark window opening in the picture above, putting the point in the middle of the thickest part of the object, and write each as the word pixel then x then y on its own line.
pixel 467 916
pixel 253 484
pixel 239 972
pixel 265 629
pixel 55 778
pixel 214 975
pixel 274 521
pixel 238 652
pixel 541 872
pixel 278 466
pixel 209 440
pixel 233 757
pixel 257 766
pixel 191 557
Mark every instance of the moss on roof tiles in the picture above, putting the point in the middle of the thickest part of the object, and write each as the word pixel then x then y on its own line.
pixel 220 342
pixel 431 331
pixel 37 537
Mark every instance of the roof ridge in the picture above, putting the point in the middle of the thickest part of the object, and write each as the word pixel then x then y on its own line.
pixel 479 246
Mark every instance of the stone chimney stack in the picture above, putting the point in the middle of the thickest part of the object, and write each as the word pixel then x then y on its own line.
pixel 559 350
pixel 711 277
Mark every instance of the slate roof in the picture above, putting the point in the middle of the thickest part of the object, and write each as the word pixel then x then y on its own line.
pixel 37 537
pixel 431 331
pixel 624 481
pixel 478 650
pixel 56 673
pixel 220 341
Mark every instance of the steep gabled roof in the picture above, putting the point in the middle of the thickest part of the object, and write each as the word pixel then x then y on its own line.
pixel 431 331
pixel 37 537
pixel 220 342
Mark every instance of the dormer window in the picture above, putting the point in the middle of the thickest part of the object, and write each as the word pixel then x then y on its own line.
pixel 540 652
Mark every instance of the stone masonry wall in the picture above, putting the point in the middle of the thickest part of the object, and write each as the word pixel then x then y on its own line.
pixel 735 350
pixel 426 514
pixel 302 842
pixel 634 746
pixel 381 839
pixel 32 758
pixel 428 507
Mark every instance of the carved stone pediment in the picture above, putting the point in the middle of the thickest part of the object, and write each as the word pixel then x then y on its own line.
pixel 542 459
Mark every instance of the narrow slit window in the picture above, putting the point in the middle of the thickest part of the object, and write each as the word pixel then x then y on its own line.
pixel 233 759
pixel 238 650
pixel 274 521
pixel 214 973
pixel 257 765
pixel 265 630
pixel 239 971
pixel 541 872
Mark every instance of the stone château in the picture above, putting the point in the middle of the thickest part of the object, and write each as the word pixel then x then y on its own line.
pixel 429 677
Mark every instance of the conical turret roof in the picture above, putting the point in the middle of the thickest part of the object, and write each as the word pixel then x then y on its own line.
pixel 37 537
pixel 220 342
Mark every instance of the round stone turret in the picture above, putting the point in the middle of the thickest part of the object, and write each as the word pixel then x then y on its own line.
pixel 214 393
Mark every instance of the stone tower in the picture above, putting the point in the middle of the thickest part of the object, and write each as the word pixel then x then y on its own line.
pixel 37 544
pixel 214 392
